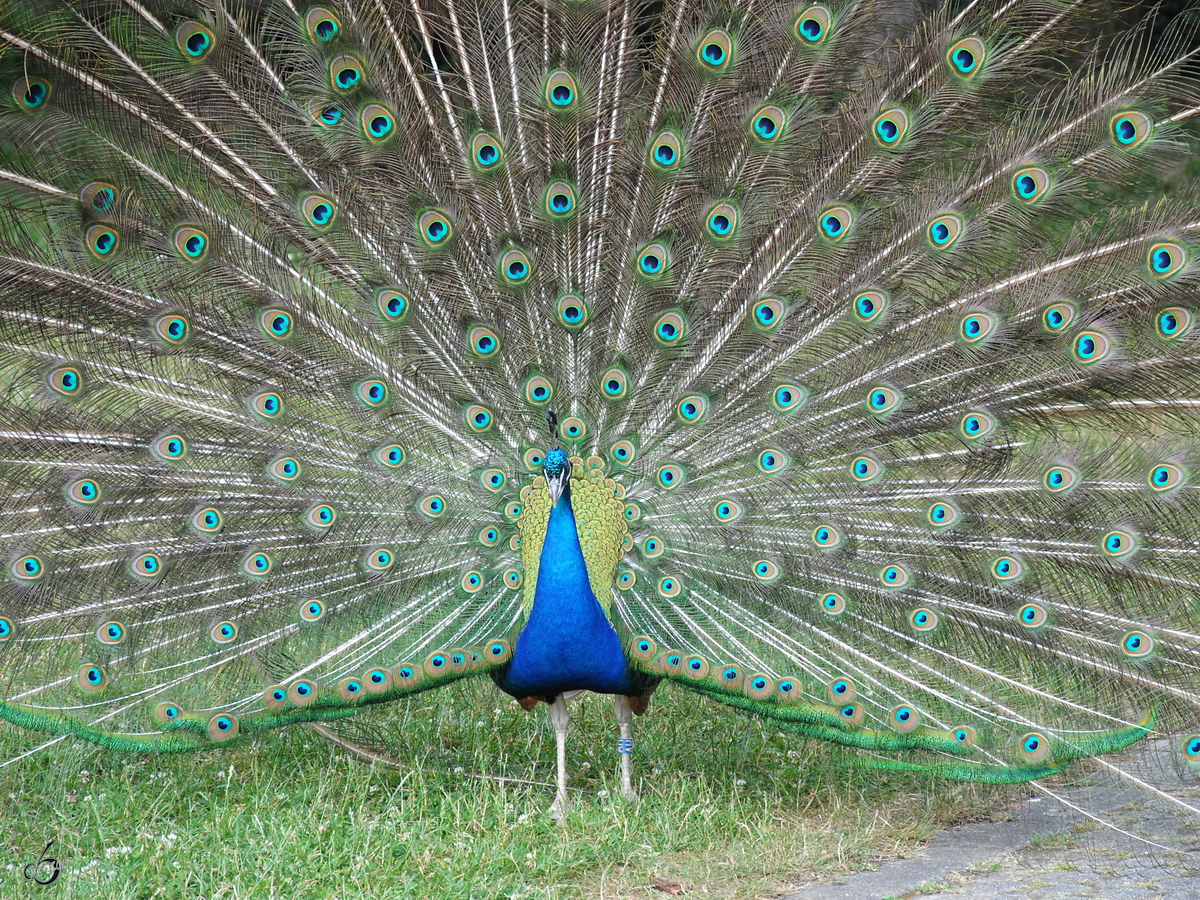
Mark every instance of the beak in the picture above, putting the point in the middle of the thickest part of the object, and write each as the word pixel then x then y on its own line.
pixel 557 485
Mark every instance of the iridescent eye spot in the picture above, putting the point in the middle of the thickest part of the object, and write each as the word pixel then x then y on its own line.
pixel 691 410
pixel 194 39
pixel 267 405
pixel 669 329
pixel 767 124
pixel 882 400
pixel 631 512
pixel 622 452
pixel 432 505
pixel 512 510
pixel 976 326
pixel 492 479
pixel 1006 568
pixel 148 565
pixel 312 610
pixel 653 547
pixel 1059 478
pixel 1032 616
pixel 318 211
pixel 1058 316
pixel 167 712
pixel 722 221
pixel 766 570
pixel 833 604
pixel 826 537
pixel 223 633
pixel 788 397
pixel 191 243
pixel 841 690
pixel 652 261
pixel 321 24
pixel 390 455
pixel 91 678
pixel 941 514
pixel 257 565
pixel 345 72
pixel 944 230
pixel 479 418
pixel 852 714
pixel 66 381
pixel 976 425
pixel 371 393
pixel 1173 322
pixel 1137 644
pixel 1166 259
pixel 489 536
pixel 28 568
pixel 864 469
pixel 772 461
pixel 472 582
pixel 434 227
pixel 515 267
pixel 84 492
pixel 559 200
pixel 561 90
pixel 1165 477
pixel 171 329
pixel 572 428
pixel 669 586
pixel 1091 346
pixel 98 196
pixel 894 576
pixel 1030 184
pixel 377 121
pixel 1130 128
pixel 485 150
pixel 1118 544
pixel 572 311
pixel 869 305
pixel 170 448
pixel 670 476
pixel 1035 747
pixel 329 115
pixel 715 50
pixel 110 633
pixel 890 127
pixel 533 459
pixel 923 619
pixel 101 240
pixel 614 383
pixel 759 687
pixel 208 520
pixel 966 57
pixel 379 559
pixel 965 735
pixel 835 222
pixel 727 511
pixel 812 25
pixel 321 517
pixel 626 580
pixel 666 151
pixel 1191 748
pixel 512 579
pixel 767 315
pixel 285 469
pixel 904 718
pixel 31 94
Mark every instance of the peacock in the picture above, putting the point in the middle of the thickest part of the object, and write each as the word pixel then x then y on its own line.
pixel 836 362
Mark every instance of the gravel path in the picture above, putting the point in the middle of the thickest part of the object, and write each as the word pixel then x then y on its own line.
pixel 1046 851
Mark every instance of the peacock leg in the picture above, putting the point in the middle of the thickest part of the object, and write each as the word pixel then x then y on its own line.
pixel 625 745
pixel 561 720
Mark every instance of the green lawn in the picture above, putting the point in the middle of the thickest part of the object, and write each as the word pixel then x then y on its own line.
pixel 729 806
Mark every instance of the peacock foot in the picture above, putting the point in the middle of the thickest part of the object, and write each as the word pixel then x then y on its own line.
pixel 559 809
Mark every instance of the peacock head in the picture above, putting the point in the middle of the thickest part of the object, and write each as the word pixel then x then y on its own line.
pixel 557 469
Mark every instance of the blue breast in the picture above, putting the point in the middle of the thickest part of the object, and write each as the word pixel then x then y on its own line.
pixel 568 644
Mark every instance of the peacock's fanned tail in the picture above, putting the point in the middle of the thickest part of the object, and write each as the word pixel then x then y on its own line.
pixel 879 333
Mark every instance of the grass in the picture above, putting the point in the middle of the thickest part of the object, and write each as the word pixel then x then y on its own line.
pixel 730 808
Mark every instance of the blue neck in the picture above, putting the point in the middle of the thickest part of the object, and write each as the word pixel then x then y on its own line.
pixel 568 643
